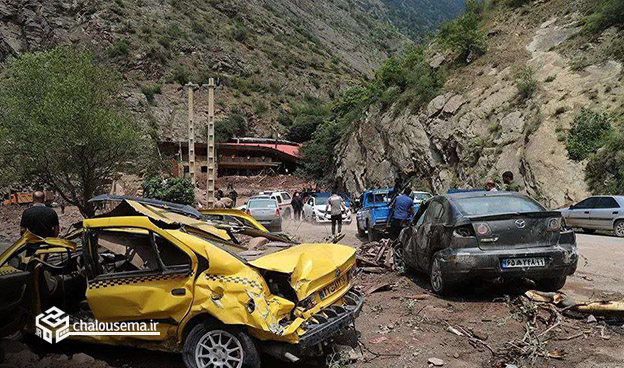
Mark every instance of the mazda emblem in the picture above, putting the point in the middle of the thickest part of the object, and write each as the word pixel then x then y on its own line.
pixel 520 224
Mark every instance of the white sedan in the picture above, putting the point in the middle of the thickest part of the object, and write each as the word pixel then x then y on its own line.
pixel 314 209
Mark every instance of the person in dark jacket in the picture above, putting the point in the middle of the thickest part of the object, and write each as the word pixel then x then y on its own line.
pixel 39 219
pixel 297 204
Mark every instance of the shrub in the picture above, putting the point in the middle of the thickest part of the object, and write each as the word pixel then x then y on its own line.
pixel 587 133
pixel 260 107
pixel 119 48
pixel 608 13
pixel 234 125
pixel 462 35
pixel 526 83
pixel 604 173
pixel 149 90
pixel 177 190
pixel 180 75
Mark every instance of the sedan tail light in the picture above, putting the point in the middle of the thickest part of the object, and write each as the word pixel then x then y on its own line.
pixel 483 229
pixel 554 224
pixel 277 212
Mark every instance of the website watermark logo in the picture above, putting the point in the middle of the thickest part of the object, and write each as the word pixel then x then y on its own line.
pixel 54 325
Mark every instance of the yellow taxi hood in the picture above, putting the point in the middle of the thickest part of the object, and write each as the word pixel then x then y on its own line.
pixel 311 266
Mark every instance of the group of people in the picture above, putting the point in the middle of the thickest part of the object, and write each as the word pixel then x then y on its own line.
pixel 508 183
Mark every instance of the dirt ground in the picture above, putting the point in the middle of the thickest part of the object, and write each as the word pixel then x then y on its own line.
pixel 404 325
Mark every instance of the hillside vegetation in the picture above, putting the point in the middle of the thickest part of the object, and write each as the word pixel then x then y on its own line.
pixel 268 56
pixel 534 87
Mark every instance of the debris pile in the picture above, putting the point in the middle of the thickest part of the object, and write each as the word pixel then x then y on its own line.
pixel 545 324
pixel 376 257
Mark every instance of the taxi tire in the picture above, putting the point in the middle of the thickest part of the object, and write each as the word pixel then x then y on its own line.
pixel 251 357
pixel 550 284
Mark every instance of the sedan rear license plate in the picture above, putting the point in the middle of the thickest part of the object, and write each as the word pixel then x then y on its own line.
pixel 523 262
pixel 334 286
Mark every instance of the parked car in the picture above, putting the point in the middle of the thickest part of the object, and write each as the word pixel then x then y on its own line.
pixel 372 217
pixel 597 213
pixel 314 209
pixel 284 201
pixel 216 302
pixel 459 237
pixel 266 211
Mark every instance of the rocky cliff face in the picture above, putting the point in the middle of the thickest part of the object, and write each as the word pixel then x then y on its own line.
pixel 481 127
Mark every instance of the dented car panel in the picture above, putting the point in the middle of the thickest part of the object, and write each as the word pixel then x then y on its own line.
pixel 147 264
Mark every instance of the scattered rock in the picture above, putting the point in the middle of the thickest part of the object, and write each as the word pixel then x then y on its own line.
pixel 377 340
pixel 436 362
pixel 348 353
pixel 82 358
pixel 456 355
pixel 591 319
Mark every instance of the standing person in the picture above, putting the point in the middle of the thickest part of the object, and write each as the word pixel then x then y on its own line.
pixel 233 195
pixel 297 204
pixel 510 185
pixel 39 219
pixel 337 205
pixel 402 209
pixel 490 185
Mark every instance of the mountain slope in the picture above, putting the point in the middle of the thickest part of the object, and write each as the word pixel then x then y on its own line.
pixel 483 124
pixel 266 54
pixel 417 18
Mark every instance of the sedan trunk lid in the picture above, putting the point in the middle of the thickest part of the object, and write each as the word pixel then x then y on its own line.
pixel 517 230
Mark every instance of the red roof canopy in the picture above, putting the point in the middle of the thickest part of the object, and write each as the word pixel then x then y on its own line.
pixel 289 149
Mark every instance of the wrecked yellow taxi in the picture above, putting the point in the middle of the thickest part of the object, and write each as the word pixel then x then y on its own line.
pixel 200 289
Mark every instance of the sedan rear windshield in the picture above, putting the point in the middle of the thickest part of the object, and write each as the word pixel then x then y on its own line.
pixel 262 203
pixel 477 206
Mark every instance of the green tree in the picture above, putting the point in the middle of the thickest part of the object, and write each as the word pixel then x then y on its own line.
pixel 308 117
pixel 62 124
pixel 177 190
pixel 605 170
pixel 235 124
pixel 318 153
pixel 463 35
pixel 587 133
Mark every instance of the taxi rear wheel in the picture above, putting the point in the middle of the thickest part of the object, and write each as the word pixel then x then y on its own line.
pixel 213 345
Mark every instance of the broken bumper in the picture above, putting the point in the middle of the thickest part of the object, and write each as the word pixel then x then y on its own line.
pixel 470 263
pixel 332 320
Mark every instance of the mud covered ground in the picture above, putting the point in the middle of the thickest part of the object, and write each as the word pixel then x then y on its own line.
pixel 404 325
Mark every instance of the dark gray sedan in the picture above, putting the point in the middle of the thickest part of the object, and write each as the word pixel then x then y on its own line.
pixel 459 237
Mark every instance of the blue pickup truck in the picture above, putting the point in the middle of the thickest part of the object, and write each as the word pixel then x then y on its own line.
pixel 372 218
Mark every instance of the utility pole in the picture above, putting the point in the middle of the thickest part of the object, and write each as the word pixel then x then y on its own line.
pixel 210 147
pixel 191 131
